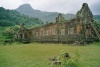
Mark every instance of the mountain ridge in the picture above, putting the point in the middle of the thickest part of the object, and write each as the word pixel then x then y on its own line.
pixel 45 16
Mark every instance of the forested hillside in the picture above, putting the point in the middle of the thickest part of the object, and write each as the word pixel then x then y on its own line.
pixel 12 17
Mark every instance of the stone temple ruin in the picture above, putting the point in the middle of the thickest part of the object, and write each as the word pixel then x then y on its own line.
pixel 79 29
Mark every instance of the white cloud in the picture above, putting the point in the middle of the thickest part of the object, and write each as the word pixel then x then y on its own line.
pixel 10 4
pixel 63 6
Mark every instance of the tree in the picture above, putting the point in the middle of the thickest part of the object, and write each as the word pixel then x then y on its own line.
pixel 10 31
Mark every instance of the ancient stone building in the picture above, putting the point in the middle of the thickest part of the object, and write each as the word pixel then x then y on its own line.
pixel 23 34
pixel 79 29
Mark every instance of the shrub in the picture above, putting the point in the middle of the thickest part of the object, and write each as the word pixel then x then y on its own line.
pixel 71 61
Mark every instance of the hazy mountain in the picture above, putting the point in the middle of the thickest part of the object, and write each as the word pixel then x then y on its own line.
pixel 44 16
pixel 26 9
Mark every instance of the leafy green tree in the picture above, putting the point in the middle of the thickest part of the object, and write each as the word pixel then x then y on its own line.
pixel 10 31
pixel 12 18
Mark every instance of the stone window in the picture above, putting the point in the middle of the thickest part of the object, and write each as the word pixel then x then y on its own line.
pixel 79 27
pixel 26 35
pixel 37 33
pixel 62 31
pixel 47 32
pixel 53 31
pixel 88 30
pixel 33 33
pixel 41 33
pixel 21 36
pixel 71 31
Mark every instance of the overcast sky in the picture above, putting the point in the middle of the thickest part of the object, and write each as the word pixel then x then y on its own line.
pixel 62 6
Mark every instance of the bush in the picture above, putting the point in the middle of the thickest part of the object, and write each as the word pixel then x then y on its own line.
pixel 70 62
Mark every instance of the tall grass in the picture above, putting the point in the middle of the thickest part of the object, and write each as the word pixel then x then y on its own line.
pixel 37 55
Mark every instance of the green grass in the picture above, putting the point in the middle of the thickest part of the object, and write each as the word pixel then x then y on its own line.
pixel 37 55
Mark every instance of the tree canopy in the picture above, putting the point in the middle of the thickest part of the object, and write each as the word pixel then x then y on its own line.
pixel 12 17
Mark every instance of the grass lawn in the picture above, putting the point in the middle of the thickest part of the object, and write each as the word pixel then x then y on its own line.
pixel 37 55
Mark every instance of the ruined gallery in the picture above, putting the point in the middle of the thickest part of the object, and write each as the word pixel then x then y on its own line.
pixel 79 29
